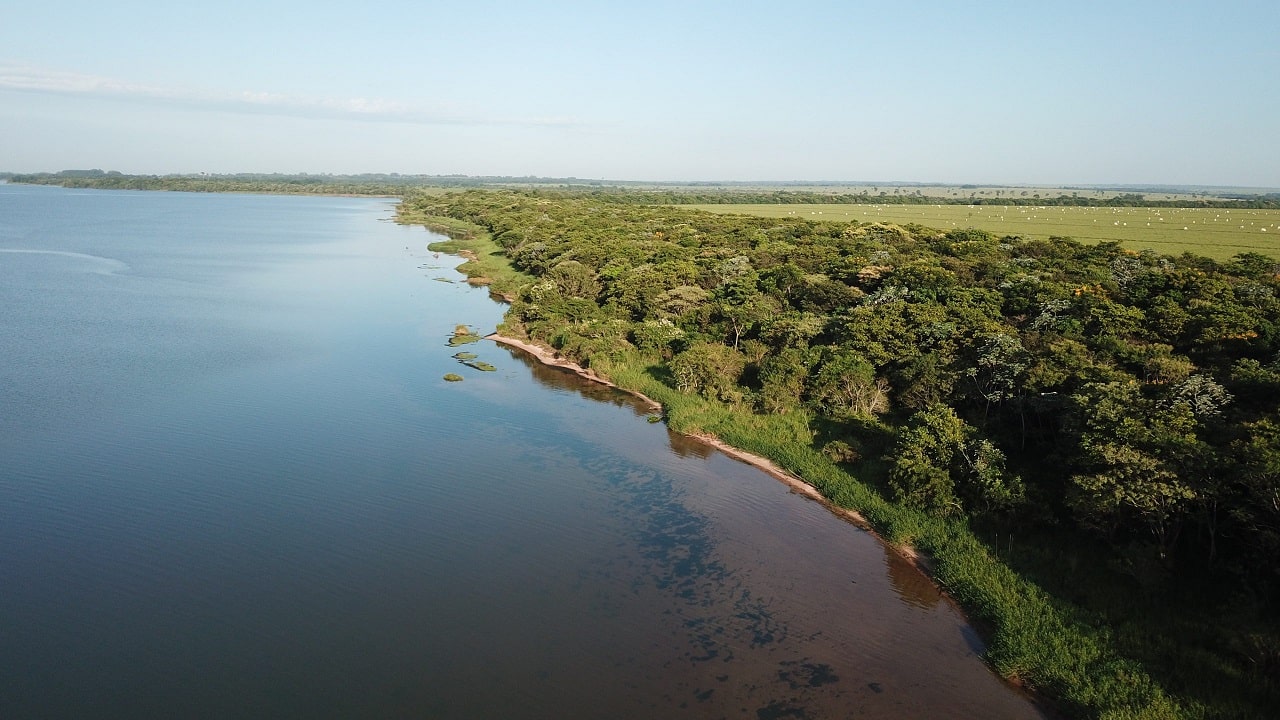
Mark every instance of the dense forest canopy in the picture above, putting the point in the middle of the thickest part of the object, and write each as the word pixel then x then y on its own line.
pixel 1045 388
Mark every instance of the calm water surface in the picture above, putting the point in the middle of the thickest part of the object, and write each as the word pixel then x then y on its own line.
pixel 234 484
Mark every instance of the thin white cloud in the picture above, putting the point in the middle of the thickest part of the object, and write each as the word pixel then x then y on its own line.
pixel 27 78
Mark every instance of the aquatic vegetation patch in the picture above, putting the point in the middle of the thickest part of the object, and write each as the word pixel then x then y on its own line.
pixel 462 335
pixel 453 377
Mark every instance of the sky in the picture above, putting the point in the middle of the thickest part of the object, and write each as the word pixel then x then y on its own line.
pixel 1119 92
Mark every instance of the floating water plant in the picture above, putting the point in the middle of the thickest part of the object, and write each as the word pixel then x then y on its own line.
pixel 480 365
pixel 453 377
pixel 465 356
pixel 462 335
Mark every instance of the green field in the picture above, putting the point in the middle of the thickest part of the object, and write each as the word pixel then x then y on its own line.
pixel 1215 233
pixel 981 192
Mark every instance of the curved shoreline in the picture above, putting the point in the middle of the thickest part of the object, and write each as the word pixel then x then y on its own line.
pixel 549 357
pixel 991 586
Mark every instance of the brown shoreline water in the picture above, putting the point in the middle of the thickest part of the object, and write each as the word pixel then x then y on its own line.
pixel 549 357
pixel 982 695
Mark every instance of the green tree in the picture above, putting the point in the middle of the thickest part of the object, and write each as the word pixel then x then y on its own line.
pixel 709 369
pixel 1128 470
pixel 1257 509
pixel 940 463
pixel 925 380
pixel 845 385
pixel 574 280
pixel 782 377
pixel 996 369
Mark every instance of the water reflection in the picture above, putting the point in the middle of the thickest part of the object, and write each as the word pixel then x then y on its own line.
pixel 911 585
pixel 563 379
pixel 759 601
pixel 688 447
pixel 560 378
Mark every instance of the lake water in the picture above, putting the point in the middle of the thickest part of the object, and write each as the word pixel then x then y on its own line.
pixel 233 483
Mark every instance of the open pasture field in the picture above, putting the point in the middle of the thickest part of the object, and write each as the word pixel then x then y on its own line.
pixel 983 192
pixel 1215 233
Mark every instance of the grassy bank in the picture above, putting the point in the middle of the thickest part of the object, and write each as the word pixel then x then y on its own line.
pixel 1080 660
pixel 486 262
pixel 1047 646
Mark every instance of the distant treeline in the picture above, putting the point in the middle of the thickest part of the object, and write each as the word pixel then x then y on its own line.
pixel 390 184
pixel 195 183
pixel 625 192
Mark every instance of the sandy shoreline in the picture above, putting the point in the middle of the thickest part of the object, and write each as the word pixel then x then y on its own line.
pixel 795 483
pixel 547 356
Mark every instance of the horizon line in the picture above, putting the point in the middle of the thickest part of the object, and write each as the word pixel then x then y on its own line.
pixel 1149 186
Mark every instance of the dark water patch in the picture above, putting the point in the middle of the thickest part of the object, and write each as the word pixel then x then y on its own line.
pixel 798 674
pixel 780 709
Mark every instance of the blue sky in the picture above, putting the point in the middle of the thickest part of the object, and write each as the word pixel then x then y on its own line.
pixel 960 92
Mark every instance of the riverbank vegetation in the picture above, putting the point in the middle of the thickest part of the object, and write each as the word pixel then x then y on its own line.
pixel 1084 438
pixel 486 261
